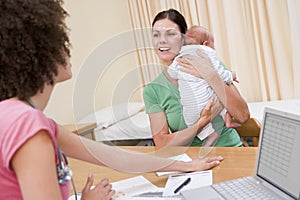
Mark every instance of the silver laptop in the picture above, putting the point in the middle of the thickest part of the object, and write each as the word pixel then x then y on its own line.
pixel 277 174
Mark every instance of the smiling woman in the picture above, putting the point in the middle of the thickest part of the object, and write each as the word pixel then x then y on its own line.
pixel 167 39
pixel 167 36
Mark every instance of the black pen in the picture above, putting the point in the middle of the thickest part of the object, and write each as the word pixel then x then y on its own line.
pixel 182 185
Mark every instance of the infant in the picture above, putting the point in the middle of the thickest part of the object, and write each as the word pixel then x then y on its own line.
pixel 196 92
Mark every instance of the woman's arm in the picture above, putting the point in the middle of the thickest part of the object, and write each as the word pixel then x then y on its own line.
pixel 162 137
pixel 34 165
pixel 160 128
pixel 227 93
pixel 125 160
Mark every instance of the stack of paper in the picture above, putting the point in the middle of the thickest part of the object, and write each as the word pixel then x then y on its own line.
pixel 133 186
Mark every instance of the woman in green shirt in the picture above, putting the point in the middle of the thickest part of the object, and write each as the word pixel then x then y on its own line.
pixel 162 96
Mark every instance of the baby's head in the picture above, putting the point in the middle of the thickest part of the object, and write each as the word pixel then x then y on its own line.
pixel 199 35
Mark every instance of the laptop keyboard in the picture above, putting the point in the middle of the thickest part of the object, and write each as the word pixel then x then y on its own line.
pixel 243 188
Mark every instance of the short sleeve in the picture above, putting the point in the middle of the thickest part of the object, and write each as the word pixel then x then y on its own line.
pixel 151 100
pixel 25 127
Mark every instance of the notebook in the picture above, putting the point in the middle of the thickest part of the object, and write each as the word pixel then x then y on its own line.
pixel 277 172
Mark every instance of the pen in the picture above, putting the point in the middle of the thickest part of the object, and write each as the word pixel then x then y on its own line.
pixel 182 185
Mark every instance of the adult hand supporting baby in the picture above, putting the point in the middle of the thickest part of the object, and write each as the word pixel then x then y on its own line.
pixel 199 66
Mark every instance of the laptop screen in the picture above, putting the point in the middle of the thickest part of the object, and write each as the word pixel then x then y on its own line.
pixel 279 157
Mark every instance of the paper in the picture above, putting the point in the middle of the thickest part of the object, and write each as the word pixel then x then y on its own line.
pixel 73 197
pixel 133 186
pixel 198 179
pixel 182 157
pixel 152 196
pixel 129 187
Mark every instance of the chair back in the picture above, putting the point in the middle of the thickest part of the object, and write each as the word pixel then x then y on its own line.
pixel 250 129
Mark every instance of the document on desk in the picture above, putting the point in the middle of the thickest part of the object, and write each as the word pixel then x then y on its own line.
pixel 127 188
pixel 179 182
pixel 133 186
pixel 182 157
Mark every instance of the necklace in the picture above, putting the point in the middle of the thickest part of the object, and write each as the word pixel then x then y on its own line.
pixel 28 100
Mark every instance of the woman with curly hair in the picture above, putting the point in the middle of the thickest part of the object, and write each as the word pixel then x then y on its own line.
pixel 34 57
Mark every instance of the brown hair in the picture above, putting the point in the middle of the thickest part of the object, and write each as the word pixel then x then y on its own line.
pixel 174 16
pixel 33 40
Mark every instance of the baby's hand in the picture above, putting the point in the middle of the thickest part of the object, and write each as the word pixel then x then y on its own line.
pixel 234 77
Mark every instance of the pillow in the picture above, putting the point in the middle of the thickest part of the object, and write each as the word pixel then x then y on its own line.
pixel 136 127
pixel 110 115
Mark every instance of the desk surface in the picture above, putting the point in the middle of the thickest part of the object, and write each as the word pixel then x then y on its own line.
pixel 238 162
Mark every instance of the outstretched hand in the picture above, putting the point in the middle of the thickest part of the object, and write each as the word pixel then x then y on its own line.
pixel 205 163
pixel 102 191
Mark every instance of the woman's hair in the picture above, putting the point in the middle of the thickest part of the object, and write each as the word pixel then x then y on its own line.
pixel 174 16
pixel 33 40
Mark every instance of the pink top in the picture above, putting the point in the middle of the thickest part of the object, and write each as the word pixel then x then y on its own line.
pixel 18 123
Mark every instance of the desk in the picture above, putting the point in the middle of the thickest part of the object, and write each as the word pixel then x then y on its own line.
pixel 238 162
pixel 86 130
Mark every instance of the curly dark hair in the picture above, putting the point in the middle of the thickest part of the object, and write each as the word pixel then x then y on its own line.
pixel 33 40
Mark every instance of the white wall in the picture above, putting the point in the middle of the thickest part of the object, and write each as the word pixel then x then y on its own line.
pixel 96 25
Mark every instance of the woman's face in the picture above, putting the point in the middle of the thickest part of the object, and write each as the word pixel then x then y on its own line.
pixel 64 71
pixel 167 40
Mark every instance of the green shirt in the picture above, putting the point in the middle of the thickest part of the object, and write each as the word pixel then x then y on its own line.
pixel 163 96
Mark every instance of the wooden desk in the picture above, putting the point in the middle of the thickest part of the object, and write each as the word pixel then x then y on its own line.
pixel 86 130
pixel 238 162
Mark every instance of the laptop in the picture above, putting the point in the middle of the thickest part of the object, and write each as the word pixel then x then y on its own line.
pixel 277 172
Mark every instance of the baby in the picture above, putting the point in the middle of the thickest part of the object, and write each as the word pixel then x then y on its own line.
pixel 200 35
pixel 196 92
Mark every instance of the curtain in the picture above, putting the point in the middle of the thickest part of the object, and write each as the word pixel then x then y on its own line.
pixel 259 39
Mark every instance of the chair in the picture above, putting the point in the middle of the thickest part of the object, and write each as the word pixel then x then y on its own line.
pixel 250 129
